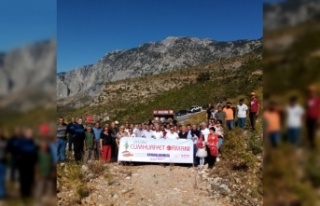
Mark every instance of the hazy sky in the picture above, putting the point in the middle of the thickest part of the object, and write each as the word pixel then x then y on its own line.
pixel 88 29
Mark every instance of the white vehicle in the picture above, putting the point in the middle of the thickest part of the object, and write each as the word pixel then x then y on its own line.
pixel 194 109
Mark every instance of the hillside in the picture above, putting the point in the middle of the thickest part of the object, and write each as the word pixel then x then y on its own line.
pixel 148 59
pixel 177 89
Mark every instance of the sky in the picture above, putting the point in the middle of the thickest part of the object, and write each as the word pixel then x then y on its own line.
pixel 87 29
pixel 26 22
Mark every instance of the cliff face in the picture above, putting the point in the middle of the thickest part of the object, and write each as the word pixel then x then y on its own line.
pixel 148 59
pixel 27 76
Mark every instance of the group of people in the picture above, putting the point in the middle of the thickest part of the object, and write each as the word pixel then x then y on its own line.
pixel 96 142
pixel 31 162
pixel 237 115
pixel 288 121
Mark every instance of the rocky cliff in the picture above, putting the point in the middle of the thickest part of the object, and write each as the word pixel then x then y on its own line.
pixel 148 59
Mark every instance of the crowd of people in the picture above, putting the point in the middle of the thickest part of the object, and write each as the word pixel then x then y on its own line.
pixel 28 163
pixel 93 141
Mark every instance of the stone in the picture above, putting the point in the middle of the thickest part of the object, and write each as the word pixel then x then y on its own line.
pixel 128 178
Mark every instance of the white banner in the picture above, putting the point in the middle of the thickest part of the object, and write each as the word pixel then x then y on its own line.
pixel 138 149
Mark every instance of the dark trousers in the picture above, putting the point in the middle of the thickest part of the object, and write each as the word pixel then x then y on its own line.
pixel 26 178
pixel 211 160
pixel 70 142
pixel 78 149
pixel 312 127
pixel 114 150
pixel 253 117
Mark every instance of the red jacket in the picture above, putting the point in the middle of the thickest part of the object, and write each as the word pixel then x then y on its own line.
pixel 213 144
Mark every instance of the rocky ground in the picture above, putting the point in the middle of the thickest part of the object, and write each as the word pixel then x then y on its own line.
pixel 113 184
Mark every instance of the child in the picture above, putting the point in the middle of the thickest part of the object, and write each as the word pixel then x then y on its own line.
pixel 202 152
pixel 212 145
pixel 220 132
pixel 89 143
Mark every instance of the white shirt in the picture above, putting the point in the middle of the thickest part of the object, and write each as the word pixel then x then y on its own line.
pixel 242 110
pixel 147 134
pixel 172 135
pixel 157 135
pixel 205 132
pixel 213 113
pixel 294 116
pixel 219 130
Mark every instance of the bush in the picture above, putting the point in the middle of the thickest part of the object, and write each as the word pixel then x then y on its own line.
pixel 203 76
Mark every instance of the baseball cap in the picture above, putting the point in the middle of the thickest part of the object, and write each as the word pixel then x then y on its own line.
pixel 253 94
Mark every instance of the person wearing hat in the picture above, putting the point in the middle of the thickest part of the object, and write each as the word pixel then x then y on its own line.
pixel 312 114
pixel 253 109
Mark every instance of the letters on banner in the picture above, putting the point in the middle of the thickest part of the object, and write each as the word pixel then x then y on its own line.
pixel 138 149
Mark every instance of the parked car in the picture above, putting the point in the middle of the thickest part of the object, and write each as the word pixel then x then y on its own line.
pixel 181 112
pixel 194 109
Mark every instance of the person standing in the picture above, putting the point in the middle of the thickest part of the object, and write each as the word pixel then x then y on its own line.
pixel 147 133
pixel 71 134
pixel 194 135
pixel 157 133
pixel 97 130
pixel 272 122
pixel 294 114
pixel 242 110
pixel 13 147
pixel 221 115
pixel 90 144
pixel 139 131
pixel 79 140
pixel 106 141
pixel 61 140
pixel 114 133
pixel 204 131
pixel 229 116
pixel 212 147
pixel 172 134
pixel 254 110
pixel 3 164
pixel 27 159
pixel 313 115
pixel 183 134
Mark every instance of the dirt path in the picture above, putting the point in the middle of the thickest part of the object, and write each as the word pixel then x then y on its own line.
pixel 152 185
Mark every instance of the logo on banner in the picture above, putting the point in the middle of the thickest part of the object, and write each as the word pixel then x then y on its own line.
pixel 126 153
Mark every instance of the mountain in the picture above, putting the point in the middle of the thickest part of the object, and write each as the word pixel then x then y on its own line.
pixel 148 59
pixel 27 76
pixel 289 13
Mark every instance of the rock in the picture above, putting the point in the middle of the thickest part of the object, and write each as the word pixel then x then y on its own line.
pixel 84 169
pixel 225 187
pixel 115 196
pixel 128 178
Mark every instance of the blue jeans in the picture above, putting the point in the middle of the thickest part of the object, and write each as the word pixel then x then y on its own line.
pixel 294 135
pixel 61 149
pixel 2 180
pixel 220 141
pixel 229 124
pixel 274 138
pixel 195 158
pixel 242 122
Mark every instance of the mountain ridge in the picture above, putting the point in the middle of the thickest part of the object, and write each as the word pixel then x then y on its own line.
pixel 149 58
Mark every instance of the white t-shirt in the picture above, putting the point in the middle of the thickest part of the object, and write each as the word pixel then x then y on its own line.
pixel 158 135
pixel 294 116
pixel 242 110
pixel 213 113
pixel 147 134
pixel 172 135
pixel 205 132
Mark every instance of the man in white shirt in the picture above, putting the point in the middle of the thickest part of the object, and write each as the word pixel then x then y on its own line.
pixel 171 134
pixel 147 133
pixel 204 131
pixel 242 111
pixel 157 133
pixel 294 116
pixel 139 131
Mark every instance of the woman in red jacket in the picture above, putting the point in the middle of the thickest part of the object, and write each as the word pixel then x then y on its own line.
pixel 212 146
